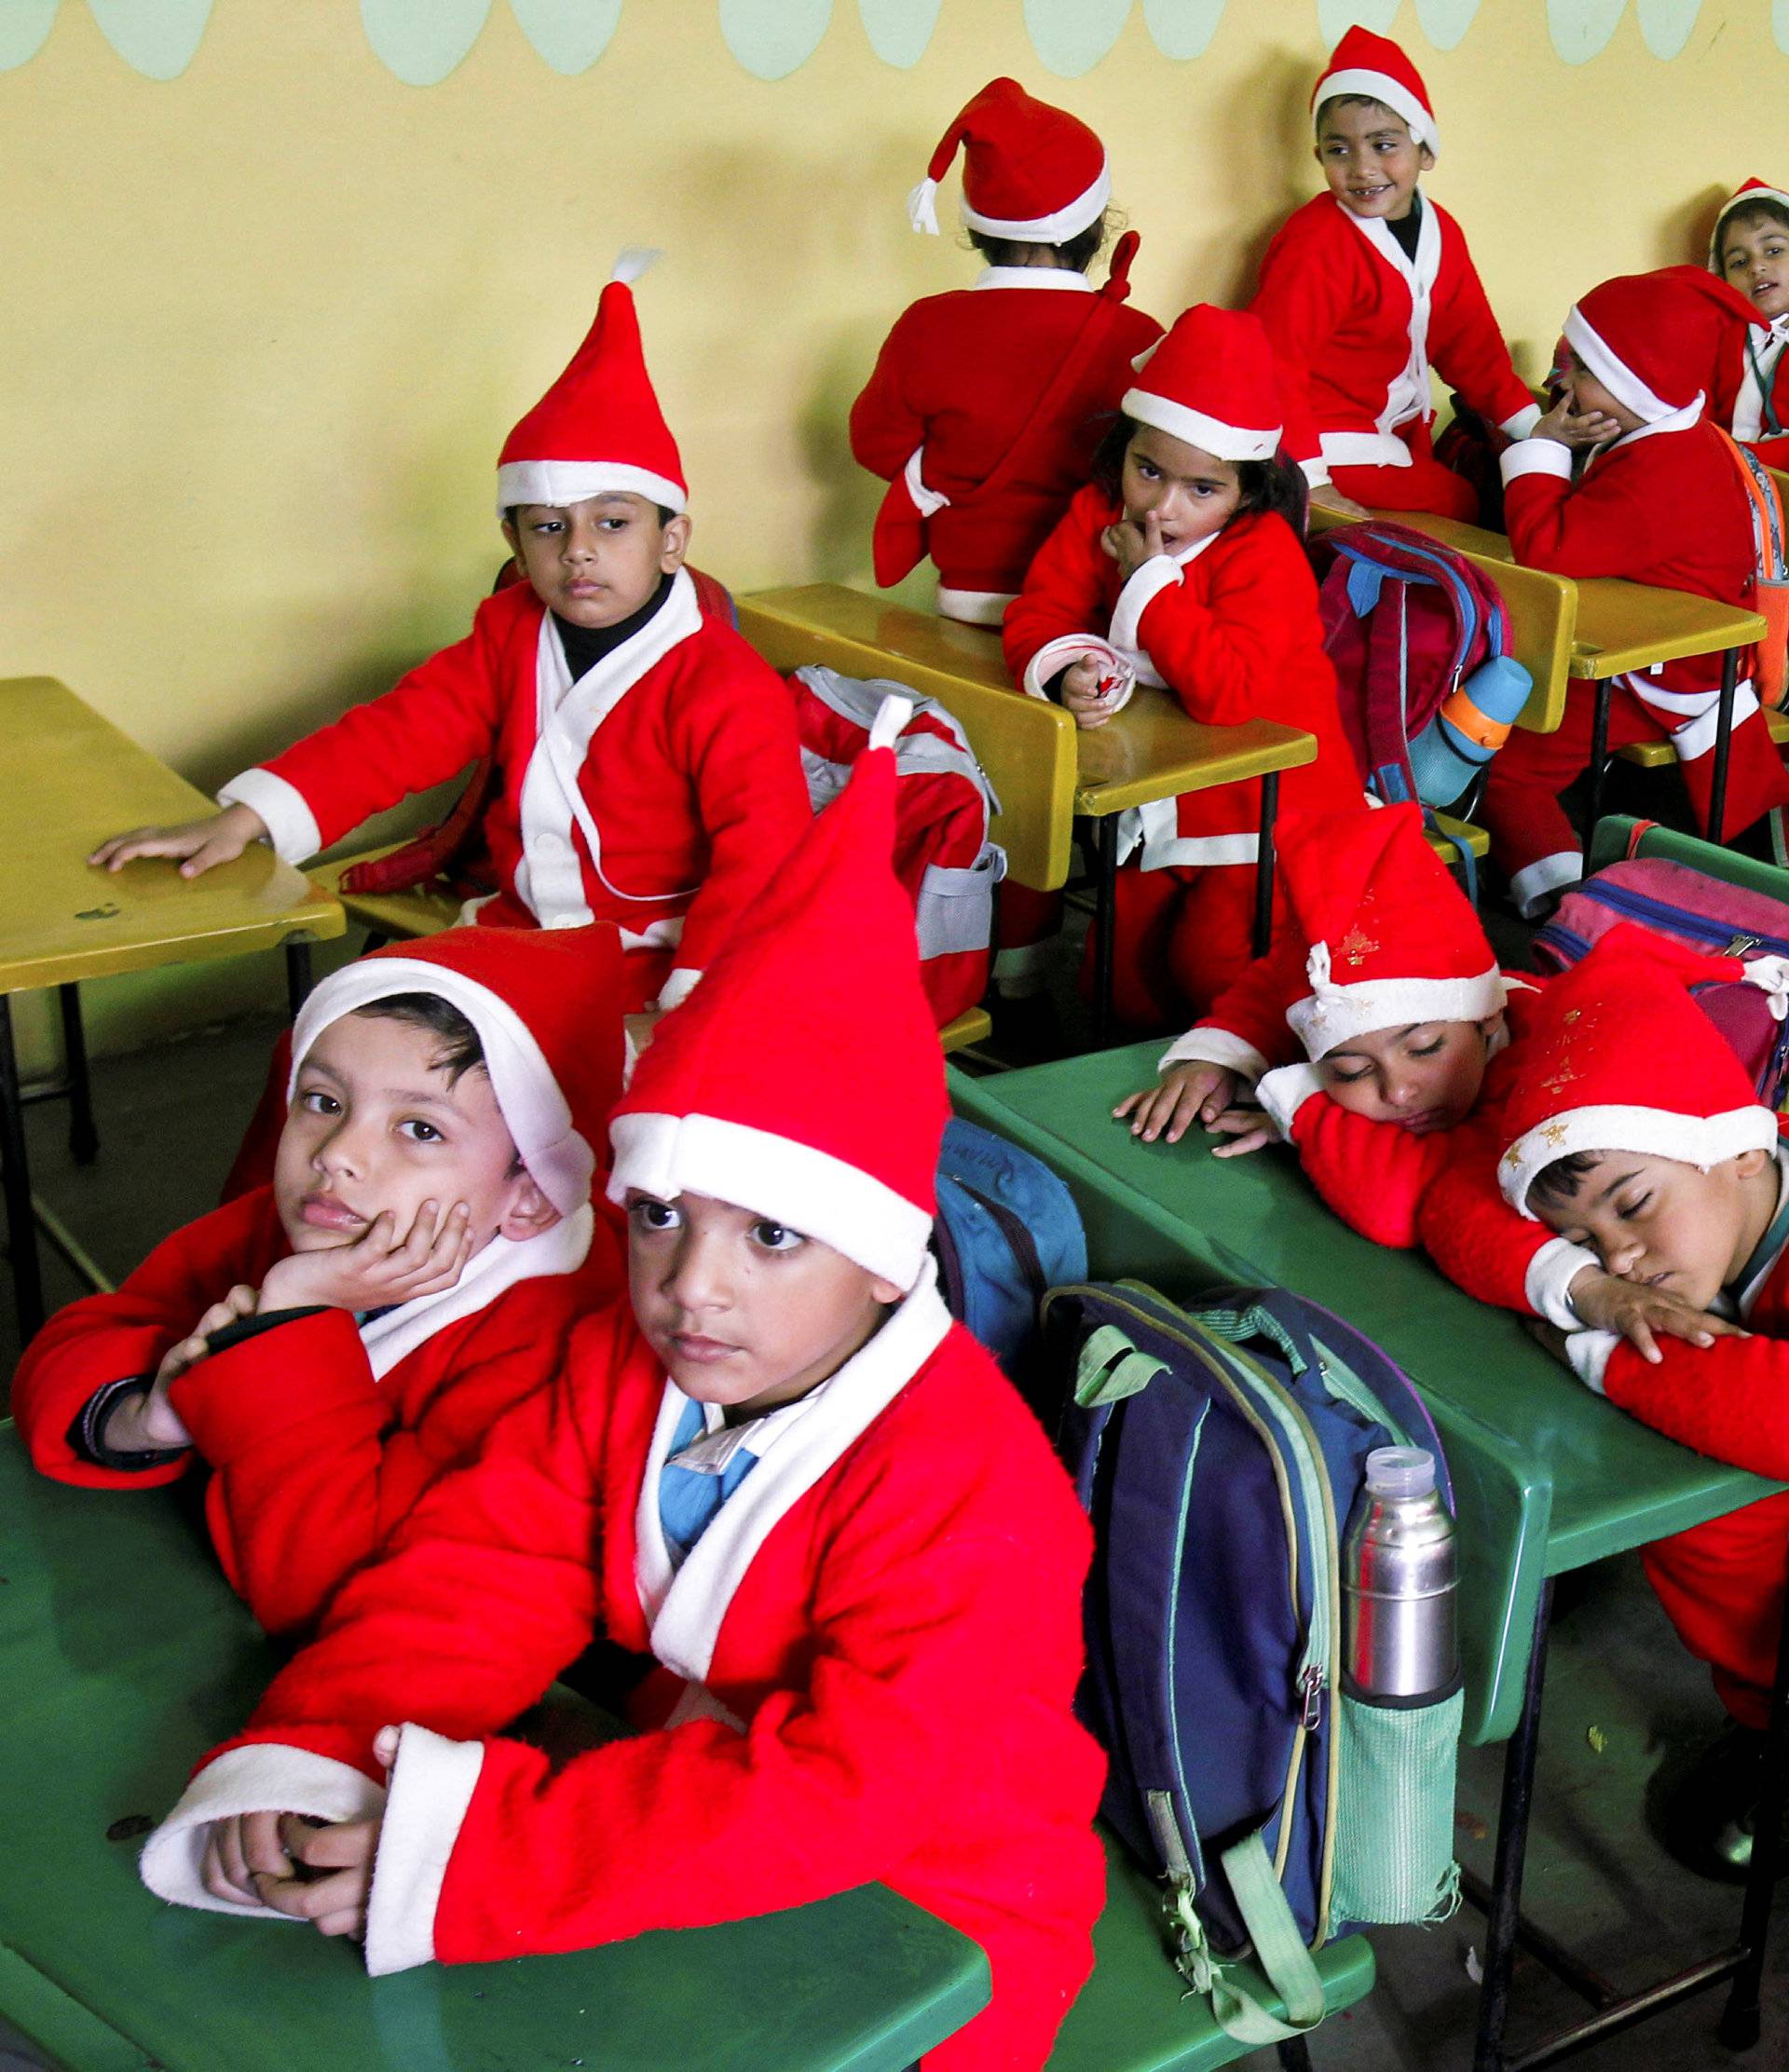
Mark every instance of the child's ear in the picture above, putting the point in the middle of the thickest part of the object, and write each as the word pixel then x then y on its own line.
pixel 527 1212
pixel 1751 1162
pixel 886 1292
pixel 507 525
pixel 673 542
pixel 1493 1025
pixel 1425 157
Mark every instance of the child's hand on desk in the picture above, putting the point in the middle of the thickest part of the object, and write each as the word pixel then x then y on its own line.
pixel 218 838
pixel 1132 541
pixel 1575 428
pixel 1248 1128
pixel 379 1268
pixel 1198 1091
pixel 1606 1303
pixel 1081 693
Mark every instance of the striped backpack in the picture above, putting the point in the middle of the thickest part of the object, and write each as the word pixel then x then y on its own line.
pixel 943 803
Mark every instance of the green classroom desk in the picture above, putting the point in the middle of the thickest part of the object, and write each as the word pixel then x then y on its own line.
pixel 124 1655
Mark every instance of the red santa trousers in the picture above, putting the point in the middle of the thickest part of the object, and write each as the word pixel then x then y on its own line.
pixel 1721 1585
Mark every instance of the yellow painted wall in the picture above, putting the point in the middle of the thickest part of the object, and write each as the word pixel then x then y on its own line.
pixel 265 323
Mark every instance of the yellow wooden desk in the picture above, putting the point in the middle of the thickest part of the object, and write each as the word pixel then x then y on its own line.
pixel 73 778
pixel 1046 772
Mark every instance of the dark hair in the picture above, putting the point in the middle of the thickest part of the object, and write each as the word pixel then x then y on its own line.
pixel 1277 486
pixel 461 1049
pixel 664 511
pixel 1357 101
pixel 1762 210
pixel 1558 1183
pixel 1078 252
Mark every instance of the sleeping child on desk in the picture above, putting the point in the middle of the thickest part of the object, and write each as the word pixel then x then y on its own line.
pixel 1379 1035
pixel 327 1346
pixel 780 1470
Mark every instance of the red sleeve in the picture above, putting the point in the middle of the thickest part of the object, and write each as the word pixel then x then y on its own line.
pixel 315 1464
pixel 1302 305
pixel 1253 1005
pixel 1600 527
pixel 1729 1400
pixel 1472 1234
pixel 739 741
pixel 1065 587
pixel 1373 1174
pixel 1466 347
pixel 1217 651
pixel 425 730
pixel 885 425
pixel 111 1338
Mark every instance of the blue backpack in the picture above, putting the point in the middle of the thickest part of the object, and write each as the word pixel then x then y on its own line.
pixel 1218 1452
pixel 1007 1231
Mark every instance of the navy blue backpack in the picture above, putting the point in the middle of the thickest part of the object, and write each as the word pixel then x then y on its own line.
pixel 1218 1452
pixel 1007 1231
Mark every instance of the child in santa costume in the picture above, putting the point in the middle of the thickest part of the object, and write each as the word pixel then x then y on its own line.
pixel 1660 501
pixel 1749 251
pixel 1637 1132
pixel 785 1473
pixel 985 405
pixel 648 768
pixel 1368 286
pixel 329 1345
pixel 1175 566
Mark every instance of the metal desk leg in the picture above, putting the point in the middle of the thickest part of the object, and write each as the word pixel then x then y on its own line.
pixel 1295 2055
pixel 83 1137
pixel 1512 1846
pixel 21 1225
pixel 1105 908
pixel 1740 2020
pixel 298 980
pixel 1605 689
pixel 1265 863
pixel 1723 746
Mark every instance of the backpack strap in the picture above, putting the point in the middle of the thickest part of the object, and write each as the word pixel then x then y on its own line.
pixel 1278 1949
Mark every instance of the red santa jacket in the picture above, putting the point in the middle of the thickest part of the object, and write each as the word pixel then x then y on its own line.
pixel 1750 393
pixel 1246 1031
pixel 314 1456
pixel 1664 505
pixel 869 1659
pixel 1357 327
pixel 1231 628
pixel 960 375
pixel 659 791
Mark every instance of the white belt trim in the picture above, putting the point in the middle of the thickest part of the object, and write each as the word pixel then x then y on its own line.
pixel 1363 449
pixel 1157 828
pixel 975 607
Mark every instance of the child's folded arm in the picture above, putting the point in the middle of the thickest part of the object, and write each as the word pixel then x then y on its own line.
pixel 105 1339
pixel 1219 656
pixel 1729 1400
pixel 1373 1174
pixel 885 426
pixel 440 716
pixel 1597 528
pixel 1302 303
pixel 920 1670
pixel 1064 596
pixel 1484 1246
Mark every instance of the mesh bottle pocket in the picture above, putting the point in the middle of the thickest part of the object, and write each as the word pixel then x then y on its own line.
pixel 1394 1835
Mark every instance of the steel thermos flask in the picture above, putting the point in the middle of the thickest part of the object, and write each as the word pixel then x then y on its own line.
pixel 1398 1574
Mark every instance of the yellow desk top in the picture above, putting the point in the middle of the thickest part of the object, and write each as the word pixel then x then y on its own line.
pixel 72 779
pixel 1152 750
pixel 1623 626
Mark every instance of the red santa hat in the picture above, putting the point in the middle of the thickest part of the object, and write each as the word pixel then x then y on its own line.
pixel 830 1120
pixel 1752 191
pixel 599 427
pixel 1376 68
pixel 1031 172
pixel 1654 340
pixel 1393 940
pixel 547 1006
pixel 1210 381
pixel 1621 1058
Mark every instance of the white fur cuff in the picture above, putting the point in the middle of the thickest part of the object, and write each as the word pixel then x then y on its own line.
pixel 292 826
pixel 1551 1274
pixel 432 1785
pixel 1588 1353
pixel 1160 572
pixel 1215 1047
pixel 1536 456
pixel 1069 648
pixel 1284 1092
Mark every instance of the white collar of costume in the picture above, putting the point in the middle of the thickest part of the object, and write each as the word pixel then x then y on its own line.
pixel 684 1609
pixel 1761 377
pixel 1033 277
pixel 397 1333
pixel 1746 1297
pixel 553 809
pixel 1408 397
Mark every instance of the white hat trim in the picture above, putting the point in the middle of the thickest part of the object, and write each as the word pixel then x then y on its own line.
pixel 560 483
pixel 1066 222
pixel 1699 1140
pixel 792 1184
pixel 1224 442
pixel 1748 200
pixel 1383 87
pixel 1615 374
pixel 558 1159
pixel 1331 1016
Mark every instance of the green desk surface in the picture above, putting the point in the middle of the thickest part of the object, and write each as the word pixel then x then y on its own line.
pixel 123 1657
pixel 1547 1477
pixel 1130 2016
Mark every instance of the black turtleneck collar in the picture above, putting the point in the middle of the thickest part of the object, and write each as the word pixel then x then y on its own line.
pixel 586 646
